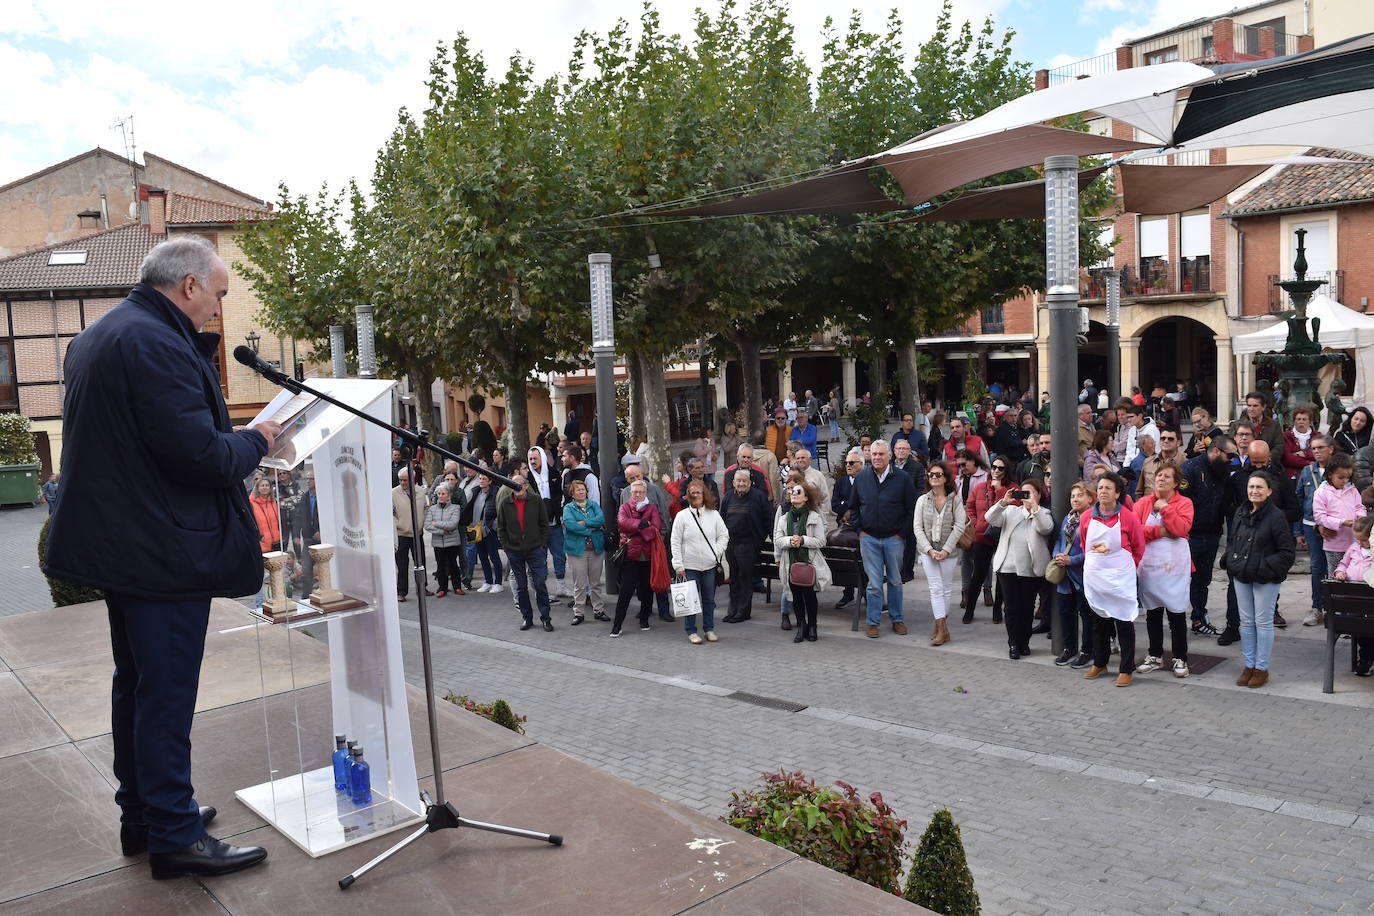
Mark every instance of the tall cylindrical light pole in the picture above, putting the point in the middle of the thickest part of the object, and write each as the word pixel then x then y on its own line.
pixel 367 342
pixel 1114 388
pixel 337 356
pixel 603 348
pixel 1061 293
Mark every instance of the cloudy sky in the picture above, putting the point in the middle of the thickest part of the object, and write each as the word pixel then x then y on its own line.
pixel 257 91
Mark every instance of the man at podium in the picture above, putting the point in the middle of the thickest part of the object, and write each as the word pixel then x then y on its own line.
pixel 143 408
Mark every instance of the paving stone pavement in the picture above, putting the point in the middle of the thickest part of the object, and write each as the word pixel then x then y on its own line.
pixel 1074 796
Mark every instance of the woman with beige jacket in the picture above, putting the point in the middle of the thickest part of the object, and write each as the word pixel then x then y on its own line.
pixel 798 536
pixel 938 523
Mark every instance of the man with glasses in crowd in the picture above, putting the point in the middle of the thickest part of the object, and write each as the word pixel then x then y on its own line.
pixel 840 502
pixel 1265 428
pixel 1167 456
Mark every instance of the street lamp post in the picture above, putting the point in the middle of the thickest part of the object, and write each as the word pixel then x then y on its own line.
pixel 603 348
pixel 1061 292
pixel 1113 278
pixel 253 339
pixel 367 342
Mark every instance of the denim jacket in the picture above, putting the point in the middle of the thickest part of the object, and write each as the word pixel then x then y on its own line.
pixel 1073 546
pixel 1307 488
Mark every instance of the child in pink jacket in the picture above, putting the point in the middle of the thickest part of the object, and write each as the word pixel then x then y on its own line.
pixel 1353 568
pixel 1335 507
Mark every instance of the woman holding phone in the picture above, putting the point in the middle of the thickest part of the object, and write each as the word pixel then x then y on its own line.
pixel 1021 557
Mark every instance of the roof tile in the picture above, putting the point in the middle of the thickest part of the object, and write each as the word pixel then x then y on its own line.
pixel 187 209
pixel 113 257
pixel 1310 185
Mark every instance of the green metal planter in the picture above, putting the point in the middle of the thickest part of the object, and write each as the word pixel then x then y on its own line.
pixel 18 484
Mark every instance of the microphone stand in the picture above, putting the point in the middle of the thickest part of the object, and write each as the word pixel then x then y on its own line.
pixel 439 813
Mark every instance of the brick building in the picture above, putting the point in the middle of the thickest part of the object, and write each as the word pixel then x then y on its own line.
pixel 48 294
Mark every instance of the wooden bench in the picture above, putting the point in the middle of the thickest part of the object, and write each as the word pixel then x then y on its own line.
pixel 1349 611
pixel 846 571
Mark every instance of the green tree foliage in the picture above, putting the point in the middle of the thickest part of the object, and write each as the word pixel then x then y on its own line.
pixel 940 879
pixel 16 440
pixel 832 825
pixel 64 593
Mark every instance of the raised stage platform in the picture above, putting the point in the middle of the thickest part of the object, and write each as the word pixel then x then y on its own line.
pixel 625 851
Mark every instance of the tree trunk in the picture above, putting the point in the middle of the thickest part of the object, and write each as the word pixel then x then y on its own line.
pixel 655 401
pixel 422 380
pixel 877 379
pixel 634 372
pixel 751 369
pixel 909 379
pixel 518 412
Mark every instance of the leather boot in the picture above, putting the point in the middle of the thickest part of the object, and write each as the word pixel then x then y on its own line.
pixel 968 604
pixel 1259 678
pixel 941 632
pixel 787 621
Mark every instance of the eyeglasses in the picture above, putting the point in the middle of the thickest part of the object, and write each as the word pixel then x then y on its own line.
pixel 935 475
pixel 853 462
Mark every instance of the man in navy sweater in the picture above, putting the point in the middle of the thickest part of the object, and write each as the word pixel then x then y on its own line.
pixel 883 502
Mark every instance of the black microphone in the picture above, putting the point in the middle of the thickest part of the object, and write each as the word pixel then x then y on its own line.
pixel 250 359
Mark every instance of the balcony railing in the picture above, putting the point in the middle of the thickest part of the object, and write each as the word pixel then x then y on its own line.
pixel 1187 44
pixel 1090 66
pixel 1156 277
pixel 1335 288
pixel 1250 42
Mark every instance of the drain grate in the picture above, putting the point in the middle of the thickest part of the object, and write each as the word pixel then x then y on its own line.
pixel 770 702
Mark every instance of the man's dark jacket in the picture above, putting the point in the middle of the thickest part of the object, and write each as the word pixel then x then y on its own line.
pixel 882 509
pixel 1200 484
pixel 535 535
pixel 746 518
pixel 841 496
pixel 153 503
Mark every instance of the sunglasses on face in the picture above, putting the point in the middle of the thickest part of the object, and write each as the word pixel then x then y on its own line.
pixel 999 467
pixel 936 475
pixel 853 462
pixel 796 491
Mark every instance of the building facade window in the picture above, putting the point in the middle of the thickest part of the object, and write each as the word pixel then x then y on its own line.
pixel 1162 56
pixel 1154 253
pixel 1195 252
pixel 991 320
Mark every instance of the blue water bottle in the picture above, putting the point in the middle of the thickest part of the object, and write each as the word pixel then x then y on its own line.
pixel 341 762
pixel 360 779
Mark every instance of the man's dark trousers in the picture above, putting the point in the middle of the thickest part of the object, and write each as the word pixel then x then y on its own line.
pixel 404 561
pixel 743 556
pixel 158 646
pixel 534 566
pixel 1204 550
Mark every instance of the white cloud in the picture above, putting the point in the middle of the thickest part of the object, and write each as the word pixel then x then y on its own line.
pixel 304 92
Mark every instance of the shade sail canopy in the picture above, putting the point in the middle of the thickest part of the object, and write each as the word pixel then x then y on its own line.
pixel 1142 97
pixel 1023 200
pixel 1319 98
pixel 1161 189
pixel 847 189
pixel 1341 329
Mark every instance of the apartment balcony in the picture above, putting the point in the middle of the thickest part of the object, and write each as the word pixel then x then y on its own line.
pixel 1154 277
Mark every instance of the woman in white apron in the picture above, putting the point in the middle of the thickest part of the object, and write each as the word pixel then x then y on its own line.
pixel 1113 544
pixel 1166 570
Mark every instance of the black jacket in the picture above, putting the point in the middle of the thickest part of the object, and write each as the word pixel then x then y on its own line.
pixel 746 519
pixel 1259 544
pixel 305 519
pixel 153 503
pixel 882 509
pixel 1209 495
pixel 1008 442
pixel 841 496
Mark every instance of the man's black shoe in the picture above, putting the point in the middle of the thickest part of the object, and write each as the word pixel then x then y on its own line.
pixel 548 626
pixel 527 625
pixel 844 602
pixel 1279 621
pixel 1065 657
pixel 133 838
pixel 1081 660
pixel 1228 636
pixel 206 856
pixel 731 618
pixel 1040 628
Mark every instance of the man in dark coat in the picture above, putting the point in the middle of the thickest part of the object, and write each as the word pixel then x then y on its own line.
pixel 143 407
pixel 1205 482
pixel 882 502
pixel 522 526
pixel 746 515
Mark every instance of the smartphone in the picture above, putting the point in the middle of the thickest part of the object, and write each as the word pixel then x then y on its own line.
pixel 1020 494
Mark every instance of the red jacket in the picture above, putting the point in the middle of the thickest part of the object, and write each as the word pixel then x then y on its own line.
pixel 1177 518
pixel 971 442
pixel 639 540
pixel 1132 532
pixel 1294 457
pixel 983 498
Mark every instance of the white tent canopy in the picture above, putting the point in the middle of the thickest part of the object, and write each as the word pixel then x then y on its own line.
pixel 1341 329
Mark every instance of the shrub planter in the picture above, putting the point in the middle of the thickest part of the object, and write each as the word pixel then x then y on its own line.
pixel 18 484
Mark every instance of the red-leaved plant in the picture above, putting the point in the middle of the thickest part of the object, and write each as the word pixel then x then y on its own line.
pixel 832 825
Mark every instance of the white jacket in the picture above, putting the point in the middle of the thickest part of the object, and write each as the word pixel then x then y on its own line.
pixel 690 549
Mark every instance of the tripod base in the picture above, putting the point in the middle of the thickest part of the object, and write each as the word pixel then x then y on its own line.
pixel 444 817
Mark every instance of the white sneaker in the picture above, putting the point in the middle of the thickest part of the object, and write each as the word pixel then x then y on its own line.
pixel 1314 619
pixel 496 588
pixel 1151 663
pixel 486 587
pixel 1180 668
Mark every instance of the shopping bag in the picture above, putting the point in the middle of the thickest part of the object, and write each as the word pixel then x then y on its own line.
pixel 659 577
pixel 685 599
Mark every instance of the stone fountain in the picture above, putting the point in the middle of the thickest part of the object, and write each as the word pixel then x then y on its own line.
pixel 1302 358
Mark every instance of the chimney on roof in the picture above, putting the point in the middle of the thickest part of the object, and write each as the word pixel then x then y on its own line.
pixel 154 209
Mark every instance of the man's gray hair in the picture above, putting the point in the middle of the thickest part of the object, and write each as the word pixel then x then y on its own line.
pixel 175 259
pixel 855 452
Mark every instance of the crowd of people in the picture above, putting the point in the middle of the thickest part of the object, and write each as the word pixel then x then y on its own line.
pixel 965 493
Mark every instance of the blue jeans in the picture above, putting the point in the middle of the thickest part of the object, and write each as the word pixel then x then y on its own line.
pixel 706 587
pixel 834 429
pixel 560 560
pixel 489 552
pixel 1256 602
pixel 531 565
pixel 883 560
pixel 1318 557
